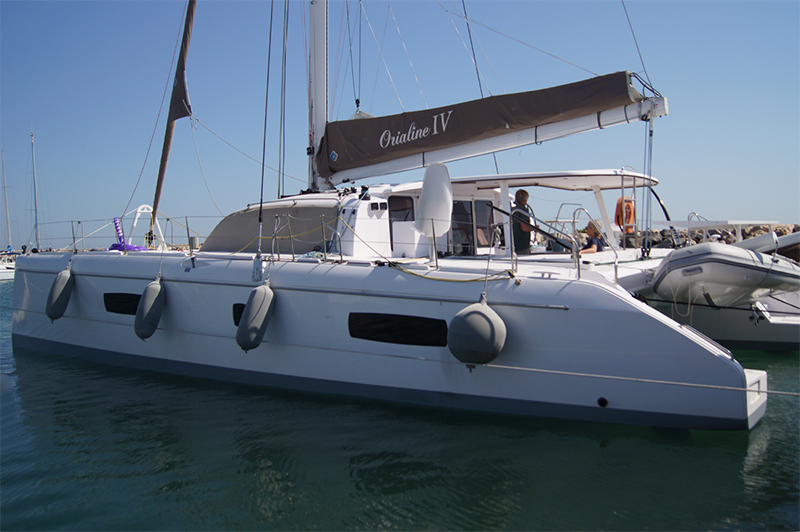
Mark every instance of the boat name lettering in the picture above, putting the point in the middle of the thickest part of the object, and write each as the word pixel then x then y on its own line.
pixel 439 121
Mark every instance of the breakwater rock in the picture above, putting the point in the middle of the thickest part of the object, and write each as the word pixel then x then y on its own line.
pixel 665 238
pixel 723 235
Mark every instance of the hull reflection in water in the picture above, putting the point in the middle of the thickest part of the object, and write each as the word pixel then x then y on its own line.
pixel 101 447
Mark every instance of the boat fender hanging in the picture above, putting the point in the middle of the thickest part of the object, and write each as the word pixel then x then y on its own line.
pixel 476 334
pixel 148 312
pixel 60 292
pixel 255 318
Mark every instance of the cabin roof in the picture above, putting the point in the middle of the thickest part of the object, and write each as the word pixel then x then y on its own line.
pixel 610 179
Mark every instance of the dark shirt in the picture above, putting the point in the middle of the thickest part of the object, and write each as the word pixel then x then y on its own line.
pixel 597 242
pixel 522 239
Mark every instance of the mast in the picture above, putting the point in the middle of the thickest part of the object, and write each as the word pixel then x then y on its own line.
pixel 318 90
pixel 179 105
pixel 35 196
pixel 5 196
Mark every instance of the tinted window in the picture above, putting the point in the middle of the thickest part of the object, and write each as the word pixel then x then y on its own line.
pixel 238 310
pixel 398 329
pixel 463 242
pixel 484 218
pixel 121 303
pixel 401 209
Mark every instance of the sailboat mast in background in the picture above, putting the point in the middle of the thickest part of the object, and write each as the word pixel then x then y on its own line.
pixel 5 197
pixel 179 106
pixel 35 196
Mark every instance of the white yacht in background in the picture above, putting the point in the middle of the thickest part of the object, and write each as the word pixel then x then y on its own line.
pixel 7 267
pixel 398 292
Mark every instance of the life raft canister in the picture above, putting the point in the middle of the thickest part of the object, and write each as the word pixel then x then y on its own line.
pixel 625 216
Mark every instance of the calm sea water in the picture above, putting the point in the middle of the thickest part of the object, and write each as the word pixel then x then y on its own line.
pixel 90 447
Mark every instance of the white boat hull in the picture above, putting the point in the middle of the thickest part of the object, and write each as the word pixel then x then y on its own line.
pixel 722 275
pixel 7 270
pixel 579 349
pixel 774 325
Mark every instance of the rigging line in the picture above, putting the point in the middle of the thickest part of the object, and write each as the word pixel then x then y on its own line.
pixel 202 173
pixel 472 48
pixel 648 381
pixel 489 62
pixel 181 226
pixel 243 153
pixel 264 136
pixel 160 108
pixel 477 71
pixel 306 58
pixel 356 94
pixel 360 48
pixel 630 25
pixel 782 301
pixel 471 58
pixel 348 63
pixel 397 26
pixel 334 75
pixel 647 163
pixel 380 51
pixel 781 313
pixel 335 92
pixel 282 126
pixel 81 224
pixel 481 24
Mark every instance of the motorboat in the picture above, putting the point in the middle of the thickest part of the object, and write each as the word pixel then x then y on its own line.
pixel 405 293
pixel 741 298
pixel 7 266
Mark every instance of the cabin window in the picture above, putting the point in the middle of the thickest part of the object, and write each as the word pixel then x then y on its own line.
pixel 401 209
pixel 121 303
pixel 472 224
pixel 484 218
pixel 463 234
pixel 398 329
pixel 292 230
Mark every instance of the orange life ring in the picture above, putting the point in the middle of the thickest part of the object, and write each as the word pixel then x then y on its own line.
pixel 625 220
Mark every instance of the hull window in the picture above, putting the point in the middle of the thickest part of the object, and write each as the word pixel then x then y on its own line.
pixel 398 329
pixel 121 303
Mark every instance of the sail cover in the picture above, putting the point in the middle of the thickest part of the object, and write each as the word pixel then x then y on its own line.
pixel 351 144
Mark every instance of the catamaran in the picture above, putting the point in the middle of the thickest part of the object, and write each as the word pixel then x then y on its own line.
pixel 408 293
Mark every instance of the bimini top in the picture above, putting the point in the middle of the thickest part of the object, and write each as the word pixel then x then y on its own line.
pixel 571 180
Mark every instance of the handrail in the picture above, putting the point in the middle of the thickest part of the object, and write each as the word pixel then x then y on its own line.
pixel 324 243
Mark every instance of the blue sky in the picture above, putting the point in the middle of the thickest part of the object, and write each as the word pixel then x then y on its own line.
pixel 88 78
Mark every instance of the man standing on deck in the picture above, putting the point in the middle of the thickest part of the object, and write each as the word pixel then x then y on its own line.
pixel 521 227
